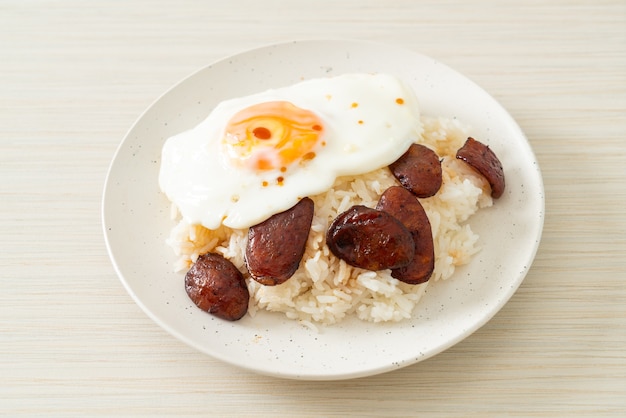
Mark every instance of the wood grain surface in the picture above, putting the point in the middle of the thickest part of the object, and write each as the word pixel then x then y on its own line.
pixel 75 75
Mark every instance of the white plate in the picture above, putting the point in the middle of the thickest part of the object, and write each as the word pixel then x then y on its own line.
pixel 136 220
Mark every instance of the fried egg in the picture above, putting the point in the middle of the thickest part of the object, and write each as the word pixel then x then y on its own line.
pixel 258 155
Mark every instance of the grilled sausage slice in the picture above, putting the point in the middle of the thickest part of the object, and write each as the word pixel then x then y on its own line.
pixel 401 204
pixel 276 245
pixel 370 239
pixel 482 159
pixel 419 171
pixel 215 285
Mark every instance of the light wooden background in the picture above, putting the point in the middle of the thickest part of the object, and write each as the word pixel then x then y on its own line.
pixel 74 75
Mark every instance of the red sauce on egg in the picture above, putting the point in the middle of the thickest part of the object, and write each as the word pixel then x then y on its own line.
pixel 262 133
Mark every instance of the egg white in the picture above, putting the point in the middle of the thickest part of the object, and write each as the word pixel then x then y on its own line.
pixel 197 177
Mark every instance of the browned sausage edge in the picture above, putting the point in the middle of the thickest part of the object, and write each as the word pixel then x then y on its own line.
pixel 403 205
pixel 275 246
pixel 370 239
pixel 215 285
pixel 483 160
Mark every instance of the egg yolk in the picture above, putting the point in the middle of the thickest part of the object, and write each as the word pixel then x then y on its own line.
pixel 272 135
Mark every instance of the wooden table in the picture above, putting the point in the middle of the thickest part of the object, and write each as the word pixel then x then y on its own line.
pixel 74 76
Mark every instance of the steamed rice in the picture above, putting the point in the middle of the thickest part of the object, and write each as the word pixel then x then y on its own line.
pixel 325 289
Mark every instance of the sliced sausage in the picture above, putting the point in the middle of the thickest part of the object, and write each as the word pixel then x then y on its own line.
pixel 215 285
pixel 404 206
pixel 419 171
pixel 276 246
pixel 482 159
pixel 370 239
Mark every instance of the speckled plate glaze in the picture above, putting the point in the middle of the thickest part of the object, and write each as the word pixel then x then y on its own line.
pixel 136 220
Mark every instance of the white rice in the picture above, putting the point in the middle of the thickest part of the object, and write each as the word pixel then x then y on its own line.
pixel 325 289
